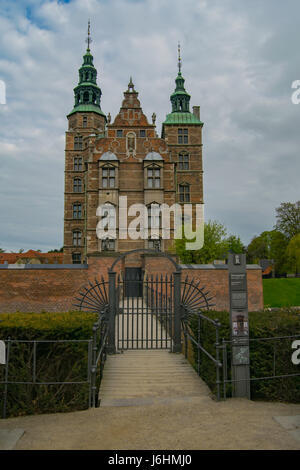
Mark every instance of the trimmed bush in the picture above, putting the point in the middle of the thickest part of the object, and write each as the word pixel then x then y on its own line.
pixel 56 362
pixel 262 353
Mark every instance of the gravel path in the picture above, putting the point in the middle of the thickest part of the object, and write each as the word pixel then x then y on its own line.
pixel 182 423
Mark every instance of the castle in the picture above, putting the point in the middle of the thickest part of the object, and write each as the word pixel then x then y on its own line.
pixel 106 159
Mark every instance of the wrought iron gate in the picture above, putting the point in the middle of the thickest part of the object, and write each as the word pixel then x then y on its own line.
pixel 144 312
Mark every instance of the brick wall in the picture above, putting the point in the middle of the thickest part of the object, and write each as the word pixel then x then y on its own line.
pixel 53 290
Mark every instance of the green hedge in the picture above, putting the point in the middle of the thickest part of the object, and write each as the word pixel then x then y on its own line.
pixel 56 362
pixel 262 325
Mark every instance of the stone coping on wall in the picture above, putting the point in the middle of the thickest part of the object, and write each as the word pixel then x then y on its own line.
pixel 215 266
pixel 86 266
pixel 44 266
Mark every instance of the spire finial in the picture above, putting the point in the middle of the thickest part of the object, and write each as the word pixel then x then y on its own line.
pixel 131 85
pixel 89 39
pixel 179 58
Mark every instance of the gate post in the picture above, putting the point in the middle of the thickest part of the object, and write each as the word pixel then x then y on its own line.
pixel 112 312
pixel 177 313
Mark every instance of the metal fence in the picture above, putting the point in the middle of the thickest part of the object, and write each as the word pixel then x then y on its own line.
pixel 275 353
pixel 28 363
pixel 197 343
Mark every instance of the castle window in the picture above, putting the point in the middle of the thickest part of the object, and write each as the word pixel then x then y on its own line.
pixel 142 133
pixel 108 177
pixel 76 258
pixel 154 244
pixel 184 160
pixel 154 216
pixel 119 133
pixel 182 136
pixel 77 185
pixel 184 193
pixel 78 142
pixel 78 164
pixel 84 121
pixel 153 177
pixel 77 238
pixel 77 210
pixel 108 244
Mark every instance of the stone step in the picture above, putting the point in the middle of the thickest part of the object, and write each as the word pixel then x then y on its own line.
pixel 139 377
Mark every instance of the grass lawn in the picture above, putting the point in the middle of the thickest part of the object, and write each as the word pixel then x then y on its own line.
pixel 281 292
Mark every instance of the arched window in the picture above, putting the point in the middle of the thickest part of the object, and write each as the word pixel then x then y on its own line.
pixel 77 210
pixel 77 235
pixel 77 185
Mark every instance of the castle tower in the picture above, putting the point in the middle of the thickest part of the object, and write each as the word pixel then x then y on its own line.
pixel 182 131
pixel 85 119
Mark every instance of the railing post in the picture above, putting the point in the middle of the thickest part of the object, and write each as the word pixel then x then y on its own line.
pixel 111 349
pixel 218 361
pixel 6 379
pixel 177 312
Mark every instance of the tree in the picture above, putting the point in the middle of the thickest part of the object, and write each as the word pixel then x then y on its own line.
pixel 269 245
pixel 216 245
pixel 1 250
pixel 235 245
pixel 57 251
pixel 293 254
pixel 257 249
pixel 288 219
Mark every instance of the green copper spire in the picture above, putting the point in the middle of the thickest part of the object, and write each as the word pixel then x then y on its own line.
pixel 87 94
pixel 180 101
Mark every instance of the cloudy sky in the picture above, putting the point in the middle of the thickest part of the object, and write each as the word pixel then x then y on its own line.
pixel 240 58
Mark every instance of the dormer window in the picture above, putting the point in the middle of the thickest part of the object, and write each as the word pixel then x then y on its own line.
pixel 108 177
pixel 153 177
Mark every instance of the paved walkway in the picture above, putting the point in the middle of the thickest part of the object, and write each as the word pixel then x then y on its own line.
pixel 182 417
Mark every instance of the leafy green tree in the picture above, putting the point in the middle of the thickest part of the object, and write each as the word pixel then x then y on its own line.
pixel 1 250
pixel 269 245
pixel 257 249
pixel 234 244
pixel 288 219
pixel 216 245
pixel 293 254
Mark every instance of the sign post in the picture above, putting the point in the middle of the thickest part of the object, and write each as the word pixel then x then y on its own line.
pixel 2 353
pixel 239 325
